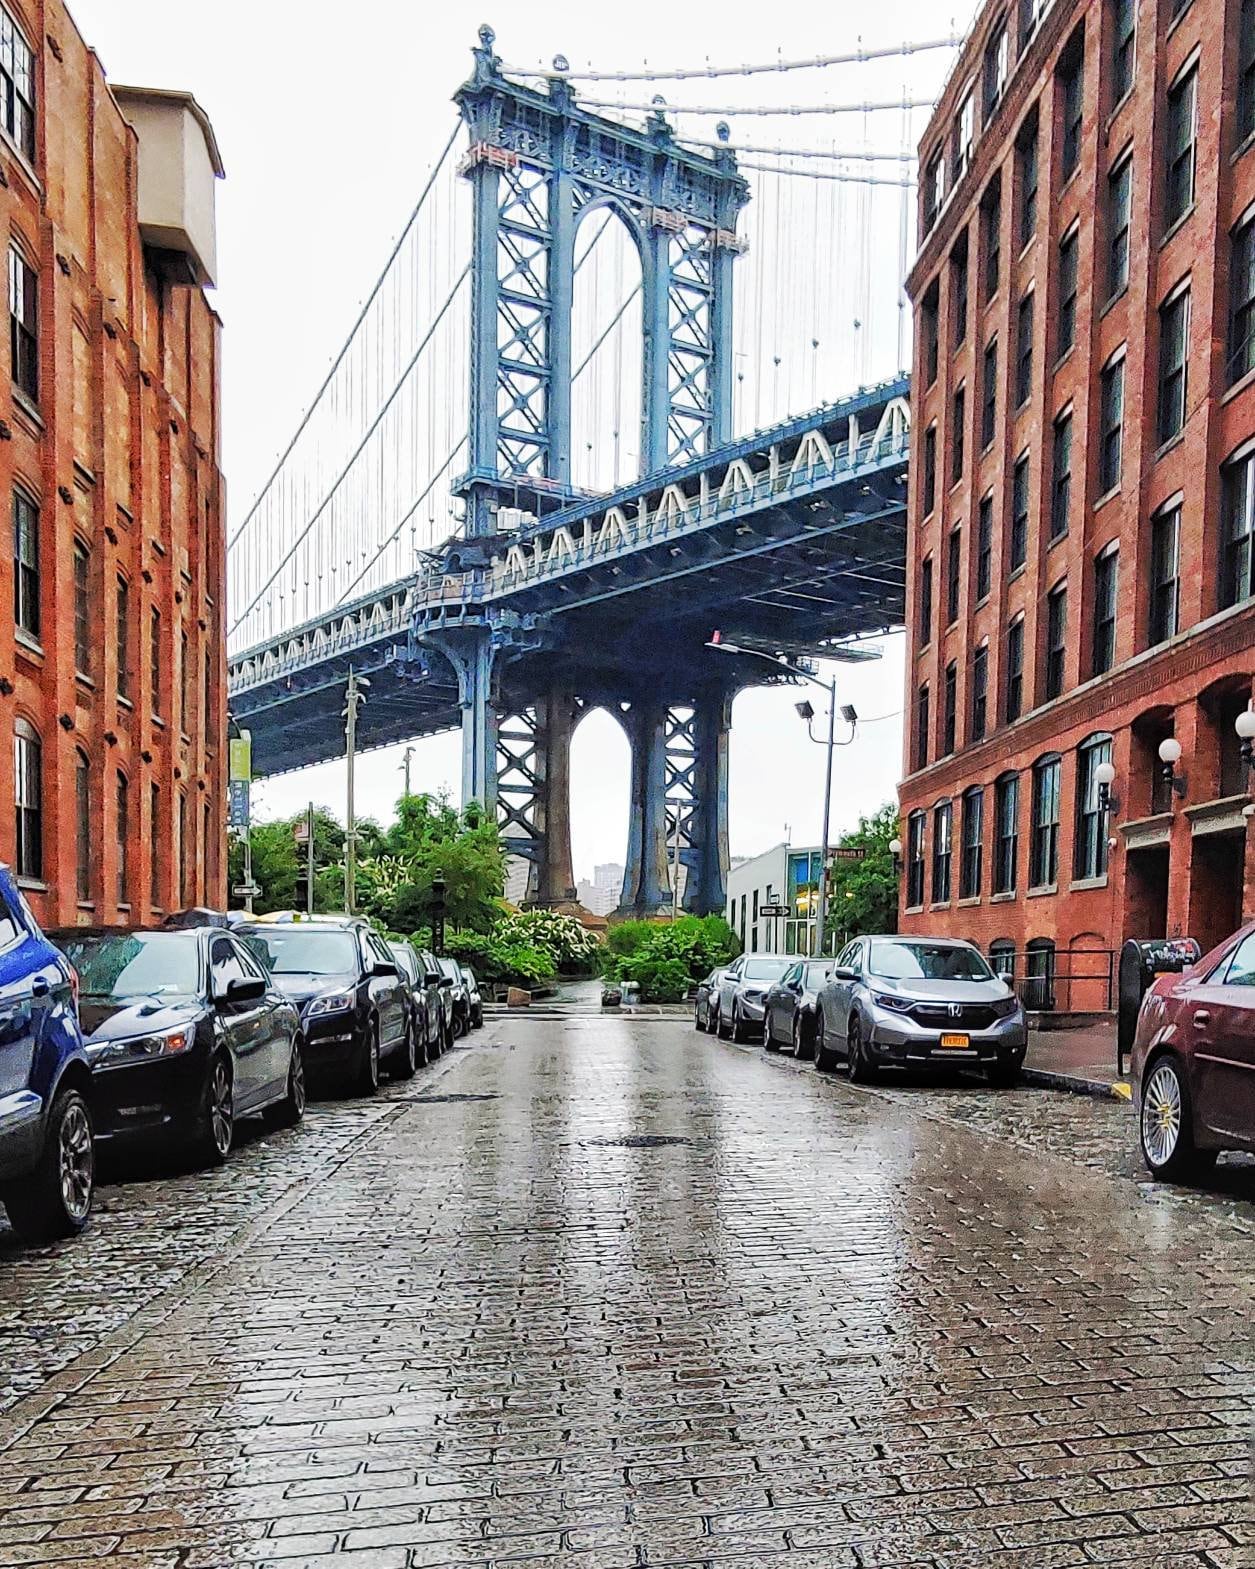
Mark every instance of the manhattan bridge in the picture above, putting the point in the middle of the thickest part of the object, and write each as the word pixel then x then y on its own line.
pixel 522 491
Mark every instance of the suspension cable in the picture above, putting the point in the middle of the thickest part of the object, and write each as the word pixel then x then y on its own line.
pixel 609 328
pixel 357 451
pixel 891 51
pixel 768 109
pixel 804 152
pixel 828 174
pixel 391 539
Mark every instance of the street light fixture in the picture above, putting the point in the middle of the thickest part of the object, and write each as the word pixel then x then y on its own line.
pixel 1244 724
pixel 895 850
pixel 806 711
pixel 1170 756
pixel 1104 778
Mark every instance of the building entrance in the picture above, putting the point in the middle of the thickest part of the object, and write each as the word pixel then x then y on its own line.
pixel 1146 892
pixel 1217 866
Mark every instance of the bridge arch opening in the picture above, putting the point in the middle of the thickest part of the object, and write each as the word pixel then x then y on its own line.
pixel 606 351
pixel 601 788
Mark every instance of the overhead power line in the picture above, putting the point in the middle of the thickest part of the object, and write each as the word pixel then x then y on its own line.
pixel 768 109
pixel 691 73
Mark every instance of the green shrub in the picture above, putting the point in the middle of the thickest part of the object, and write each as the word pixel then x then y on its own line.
pixel 692 947
pixel 661 980
pixel 571 946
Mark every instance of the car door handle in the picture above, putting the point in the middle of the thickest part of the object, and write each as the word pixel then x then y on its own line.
pixel 1201 1018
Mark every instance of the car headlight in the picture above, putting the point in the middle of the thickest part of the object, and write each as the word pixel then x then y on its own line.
pixel 1007 1007
pixel 888 1000
pixel 141 1048
pixel 330 1002
pixel 753 996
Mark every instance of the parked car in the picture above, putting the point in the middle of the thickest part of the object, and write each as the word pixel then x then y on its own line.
pixel 186 1035
pixel 793 1007
pixel 459 1002
pixel 741 995
pixel 474 1000
pixel 1193 1063
pixel 918 1000
pixel 440 997
pixel 423 1001
pixel 704 1012
pixel 350 994
pixel 47 1158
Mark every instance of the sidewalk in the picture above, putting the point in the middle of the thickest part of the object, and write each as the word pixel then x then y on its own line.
pixel 1081 1060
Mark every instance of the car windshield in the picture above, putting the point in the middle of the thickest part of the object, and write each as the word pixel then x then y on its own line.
pixel 450 969
pixel 765 969
pixel 405 960
pixel 136 964
pixel 817 974
pixel 927 961
pixel 304 950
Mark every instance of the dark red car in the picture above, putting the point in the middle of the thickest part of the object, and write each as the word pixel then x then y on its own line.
pixel 1193 1064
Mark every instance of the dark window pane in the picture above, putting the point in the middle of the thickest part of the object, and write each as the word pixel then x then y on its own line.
pixel 26 574
pixel 1073 107
pixel 124 638
pixel 973 833
pixel 1019 513
pixel 1246 72
pixel 991 223
pixel 1112 433
pixel 926 601
pixel 1044 846
pixel 1024 351
pixel 985 547
pixel 28 800
pixel 1106 571
pixel 82 609
pixel 23 323
pixel 980 692
pixel 1174 333
pixel 1065 325
pixel 1015 671
pixel 958 422
pixel 930 469
pixel 83 825
pixel 950 712
pixel 1165 575
pixel 1061 476
pixel 922 727
pixel 941 853
pixel 1007 832
pixel 1027 157
pixel 1056 639
pixel 1091 824
pixel 1119 212
pixel 1238 567
pixel 989 394
pixel 1242 302
pixel 1123 36
pixel 915 859
pixel 1179 148
pixel 954 551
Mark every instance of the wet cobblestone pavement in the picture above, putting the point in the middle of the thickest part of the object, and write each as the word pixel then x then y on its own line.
pixel 603 1294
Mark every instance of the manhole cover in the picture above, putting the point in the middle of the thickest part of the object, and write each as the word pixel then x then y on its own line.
pixel 639 1141
pixel 436 1100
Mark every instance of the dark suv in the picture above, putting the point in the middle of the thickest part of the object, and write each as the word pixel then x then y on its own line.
pixel 47 1162
pixel 352 999
pixel 426 1007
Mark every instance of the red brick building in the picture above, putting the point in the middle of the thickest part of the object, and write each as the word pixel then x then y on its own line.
pixel 112 665
pixel 1082 513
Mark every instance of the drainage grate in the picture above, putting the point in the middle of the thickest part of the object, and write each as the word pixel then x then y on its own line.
pixel 436 1100
pixel 639 1141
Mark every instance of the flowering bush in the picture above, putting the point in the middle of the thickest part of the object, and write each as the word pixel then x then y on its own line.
pixel 568 943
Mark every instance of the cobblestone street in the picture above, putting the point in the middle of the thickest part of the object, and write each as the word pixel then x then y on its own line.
pixel 603 1292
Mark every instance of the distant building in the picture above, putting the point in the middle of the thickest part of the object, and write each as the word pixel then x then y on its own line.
pixel 783 875
pixel 112 661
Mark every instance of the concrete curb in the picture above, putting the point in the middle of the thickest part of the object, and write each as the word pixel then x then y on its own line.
pixel 1099 1089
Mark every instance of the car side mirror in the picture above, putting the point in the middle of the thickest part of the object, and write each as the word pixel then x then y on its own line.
pixel 433 978
pixel 244 988
pixel 384 971
pixel 446 980
pixel 845 972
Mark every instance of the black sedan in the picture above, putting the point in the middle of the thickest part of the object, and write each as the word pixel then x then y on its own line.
pixel 793 1007
pixel 703 1017
pixel 353 1003
pixel 185 1035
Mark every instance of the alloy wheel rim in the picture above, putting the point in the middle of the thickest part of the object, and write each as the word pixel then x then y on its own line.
pixel 1162 1112
pixel 854 1050
pixel 297 1076
pixel 76 1163
pixel 220 1110
pixel 374 1057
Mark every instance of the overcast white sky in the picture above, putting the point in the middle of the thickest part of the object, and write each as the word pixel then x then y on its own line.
pixel 328 117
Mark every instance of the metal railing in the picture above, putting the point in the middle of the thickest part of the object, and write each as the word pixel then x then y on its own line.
pixel 1079 980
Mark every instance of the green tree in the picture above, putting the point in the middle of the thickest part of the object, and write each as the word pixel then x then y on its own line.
pixel 431 838
pixel 863 895
pixel 279 863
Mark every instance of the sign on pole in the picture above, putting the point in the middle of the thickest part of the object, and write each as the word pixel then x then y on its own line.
pixel 238 803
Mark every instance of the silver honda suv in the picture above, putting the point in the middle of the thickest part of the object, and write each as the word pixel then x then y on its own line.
pixel 918 1000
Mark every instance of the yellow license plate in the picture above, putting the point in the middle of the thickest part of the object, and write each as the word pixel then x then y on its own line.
pixel 958 1042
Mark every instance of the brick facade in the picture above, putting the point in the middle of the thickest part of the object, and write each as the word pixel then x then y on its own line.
pixel 1183 652
pixel 118 451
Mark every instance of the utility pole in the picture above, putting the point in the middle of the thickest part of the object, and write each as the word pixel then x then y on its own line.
pixel 821 923
pixel 675 865
pixel 407 755
pixel 354 697
pixel 309 861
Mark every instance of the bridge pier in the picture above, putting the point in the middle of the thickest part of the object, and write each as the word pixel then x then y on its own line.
pixel 706 892
pixel 470 651
pixel 552 880
pixel 646 877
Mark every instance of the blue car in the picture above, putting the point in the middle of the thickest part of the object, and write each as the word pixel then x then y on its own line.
pixel 47 1166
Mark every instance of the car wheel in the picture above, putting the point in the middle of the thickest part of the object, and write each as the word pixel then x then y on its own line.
pixel 739 1032
pixel 291 1109
pixel 802 1046
pixel 722 1030
pixel 770 1043
pixel 824 1059
pixel 1167 1123
pixel 405 1064
pixel 215 1126
pixel 1004 1075
pixel 55 1200
pixel 367 1077
pixel 861 1068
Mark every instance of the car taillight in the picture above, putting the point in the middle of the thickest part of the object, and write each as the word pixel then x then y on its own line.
pixel 74 983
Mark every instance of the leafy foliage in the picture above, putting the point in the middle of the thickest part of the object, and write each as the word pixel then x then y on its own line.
pixel 498 961
pixel 279 863
pixel 571 946
pixel 666 957
pixel 863 895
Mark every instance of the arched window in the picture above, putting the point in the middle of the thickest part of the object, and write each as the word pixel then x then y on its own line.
pixel 28 776
pixel 1002 958
pixel 1006 832
pixel 1091 824
pixel 943 814
pixel 1039 975
pixel 83 825
pixel 970 868
pixel 1043 871
pixel 124 837
pixel 915 860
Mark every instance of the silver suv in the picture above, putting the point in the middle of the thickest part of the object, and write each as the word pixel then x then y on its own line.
pixel 918 1000
pixel 739 1006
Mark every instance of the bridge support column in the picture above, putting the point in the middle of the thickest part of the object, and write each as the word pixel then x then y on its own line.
pixel 706 892
pixel 646 879
pixel 553 880
pixel 470 651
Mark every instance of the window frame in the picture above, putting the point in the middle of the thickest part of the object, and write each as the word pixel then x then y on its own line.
pixel 915 823
pixel 1055 673
pixel 989 394
pixel 1024 323
pixel 1237 567
pixel 1124 50
pixel 943 852
pixel 980 692
pixel 1028 171
pixel 1021 506
pixel 18 86
pixel 1111 423
pixel 1173 384
pixel 1241 311
pixel 23 323
pixel 1013 681
pixel 971 849
pixel 1180 163
pixel 1047 794
pixel 1163 619
pixel 954 573
pixel 82 826
pixel 1107 559
pixel 958 424
pixel 27 567
pixel 1068 275
pixel 28 748
pixel 1119 222
pixel 1060 473
pixel 1090 857
pixel 984 546
pixel 1006 832
pixel 950 708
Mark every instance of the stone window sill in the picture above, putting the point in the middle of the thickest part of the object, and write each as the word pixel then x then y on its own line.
pixel 1002 898
pixel 966 904
pixel 1085 884
pixel 1042 891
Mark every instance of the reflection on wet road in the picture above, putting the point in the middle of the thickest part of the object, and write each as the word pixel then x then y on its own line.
pixel 641 1298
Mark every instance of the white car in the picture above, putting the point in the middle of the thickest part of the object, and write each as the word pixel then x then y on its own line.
pixel 740 1004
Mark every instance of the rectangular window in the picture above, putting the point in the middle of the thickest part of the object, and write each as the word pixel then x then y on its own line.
pixel 1014 703
pixel 17 86
pixel 1246 73
pixel 1072 95
pixel 83 826
pixel 1026 158
pixel 931 347
pixel 185 681
pixel 26 575
pixel 1180 147
pixel 1056 639
pixel 997 66
pixel 1119 214
pixel 124 838
pixel 124 638
pixel 1174 340
pixel 1165 574
pixel 1031 13
pixel 958 422
pixel 973 833
pixel 930 469
pixel 1044 850
pixel 82 609
pixel 1106 577
pixel 154 658
pixel 1061 475
pixel 1242 301
pixel 1007 837
pixel 1065 321
pixel 154 846
pixel 1123 46
pixel 23 323
pixel 941 853
pixel 989 394
pixel 964 134
pixel 954 552
pixel 991 236
pixel 923 723
pixel 1238 500
pixel 950 711
pixel 980 692
pixel 1017 552
pixel 985 547
pixel 28 799
pixel 1091 826
pixel 958 292
pixel 926 602
pixel 1111 436
pixel 934 188
pixel 915 860
pixel 1024 352
pixel 185 850
pixel 211 728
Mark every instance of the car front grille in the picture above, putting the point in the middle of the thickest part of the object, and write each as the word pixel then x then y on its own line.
pixel 941 1016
